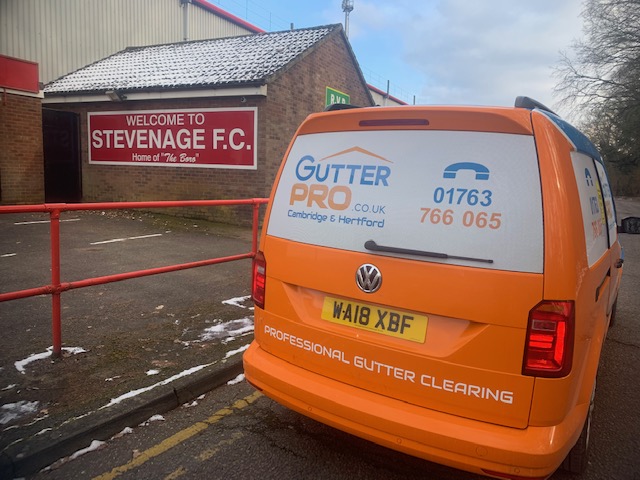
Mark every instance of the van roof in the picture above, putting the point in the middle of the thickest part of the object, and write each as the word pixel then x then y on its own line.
pixel 580 141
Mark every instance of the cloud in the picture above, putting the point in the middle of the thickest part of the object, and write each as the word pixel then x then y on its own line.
pixel 489 52
pixel 473 52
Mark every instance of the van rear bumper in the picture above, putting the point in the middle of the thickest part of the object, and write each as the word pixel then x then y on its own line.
pixel 435 436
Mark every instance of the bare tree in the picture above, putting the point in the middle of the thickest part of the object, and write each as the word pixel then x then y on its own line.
pixel 607 62
pixel 601 80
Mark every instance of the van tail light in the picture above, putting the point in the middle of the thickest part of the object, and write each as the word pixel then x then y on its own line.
pixel 259 279
pixel 549 343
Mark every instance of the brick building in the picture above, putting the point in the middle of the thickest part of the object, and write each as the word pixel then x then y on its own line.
pixel 273 80
pixel 37 45
pixel 21 167
pixel 286 76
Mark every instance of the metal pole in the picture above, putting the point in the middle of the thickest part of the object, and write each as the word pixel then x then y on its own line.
pixel 256 217
pixel 56 328
pixel 347 7
pixel 386 97
pixel 346 23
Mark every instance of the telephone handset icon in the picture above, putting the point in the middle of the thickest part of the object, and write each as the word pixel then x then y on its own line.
pixel 482 172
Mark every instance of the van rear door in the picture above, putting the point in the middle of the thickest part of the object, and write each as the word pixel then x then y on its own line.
pixel 404 252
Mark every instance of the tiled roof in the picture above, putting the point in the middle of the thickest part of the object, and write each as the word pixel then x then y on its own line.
pixel 220 62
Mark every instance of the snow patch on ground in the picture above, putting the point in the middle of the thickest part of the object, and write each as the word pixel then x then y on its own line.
pixel 12 411
pixel 224 331
pixel 21 364
pixel 238 302
pixel 122 433
pixel 153 418
pixel 231 353
pixel 228 330
pixel 95 445
pixel 139 391
pixel 238 379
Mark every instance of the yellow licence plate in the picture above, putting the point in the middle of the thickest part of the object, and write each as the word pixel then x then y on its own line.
pixel 395 323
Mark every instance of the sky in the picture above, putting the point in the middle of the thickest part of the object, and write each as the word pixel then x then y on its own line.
pixel 475 52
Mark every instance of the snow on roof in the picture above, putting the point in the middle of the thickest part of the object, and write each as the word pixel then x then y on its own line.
pixel 247 59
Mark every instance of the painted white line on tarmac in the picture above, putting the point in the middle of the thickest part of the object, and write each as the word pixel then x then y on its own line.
pixel 8 255
pixel 114 240
pixel 47 221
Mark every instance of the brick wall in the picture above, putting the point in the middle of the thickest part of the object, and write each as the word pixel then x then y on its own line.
pixel 116 183
pixel 21 154
pixel 301 90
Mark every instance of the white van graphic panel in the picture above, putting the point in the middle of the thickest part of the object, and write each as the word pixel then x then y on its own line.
pixel 593 206
pixel 612 223
pixel 470 198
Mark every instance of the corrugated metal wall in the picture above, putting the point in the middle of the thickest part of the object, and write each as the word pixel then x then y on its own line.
pixel 65 35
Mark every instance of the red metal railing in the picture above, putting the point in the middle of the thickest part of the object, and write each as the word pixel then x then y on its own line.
pixel 56 287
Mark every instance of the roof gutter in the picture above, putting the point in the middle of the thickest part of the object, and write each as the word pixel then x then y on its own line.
pixel 120 96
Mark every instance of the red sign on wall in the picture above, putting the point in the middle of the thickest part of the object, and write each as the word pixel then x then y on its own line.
pixel 19 74
pixel 209 138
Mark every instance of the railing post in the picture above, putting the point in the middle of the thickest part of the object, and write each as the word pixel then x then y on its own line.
pixel 256 220
pixel 54 217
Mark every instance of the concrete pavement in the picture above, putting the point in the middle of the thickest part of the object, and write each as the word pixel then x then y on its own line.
pixel 131 349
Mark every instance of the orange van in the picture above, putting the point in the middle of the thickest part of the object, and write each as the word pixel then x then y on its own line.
pixel 440 280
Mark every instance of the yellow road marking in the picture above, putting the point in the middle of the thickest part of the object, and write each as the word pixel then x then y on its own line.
pixel 179 437
pixel 210 452
pixel 176 474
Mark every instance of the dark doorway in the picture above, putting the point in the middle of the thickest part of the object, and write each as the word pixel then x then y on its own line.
pixel 62 174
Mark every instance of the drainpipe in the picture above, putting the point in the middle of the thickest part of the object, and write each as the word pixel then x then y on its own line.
pixel 185 18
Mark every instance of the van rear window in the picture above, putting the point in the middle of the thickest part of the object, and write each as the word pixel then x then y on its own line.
pixel 461 198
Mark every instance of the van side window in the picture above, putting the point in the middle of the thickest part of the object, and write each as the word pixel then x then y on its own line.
pixel 593 205
pixel 609 207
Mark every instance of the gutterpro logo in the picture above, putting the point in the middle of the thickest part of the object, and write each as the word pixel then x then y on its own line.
pixel 327 183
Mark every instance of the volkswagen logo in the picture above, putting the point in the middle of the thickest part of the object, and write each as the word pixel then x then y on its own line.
pixel 368 278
